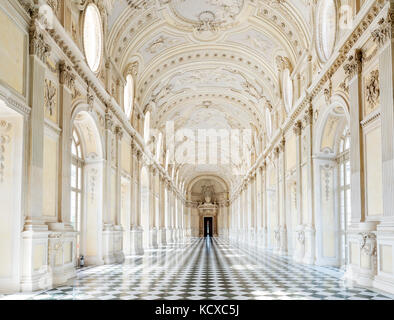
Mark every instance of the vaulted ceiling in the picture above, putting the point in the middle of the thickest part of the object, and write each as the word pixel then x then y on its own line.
pixel 208 63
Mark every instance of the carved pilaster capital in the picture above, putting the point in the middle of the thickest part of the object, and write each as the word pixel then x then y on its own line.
pixel 109 123
pixel 66 76
pixel 139 155
pixel 90 97
pixel 297 128
pixel 38 46
pixel 119 132
pixel 131 69
pixel 308 116
pixel 354 65
pixel 384 31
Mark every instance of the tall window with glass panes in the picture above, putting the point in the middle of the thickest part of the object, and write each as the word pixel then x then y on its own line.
pixel 344 176
pixel 76 186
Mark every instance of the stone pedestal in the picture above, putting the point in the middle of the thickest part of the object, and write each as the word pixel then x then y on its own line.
pixel 362 245
pixel 385 251
pixel 283 240
pixel 136 241
pixel 162 236
pixel 36 274
pixel 169 235
pixel 309 256
pixel 108 245
pixel 153 238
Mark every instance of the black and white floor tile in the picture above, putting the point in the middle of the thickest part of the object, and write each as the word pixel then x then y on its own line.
pixel 208 269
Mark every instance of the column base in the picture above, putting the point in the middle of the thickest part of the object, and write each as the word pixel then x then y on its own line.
pixel 309 255
pixel 169 235
pixel 136 244
pixel 108 244
pixel 153 238
pixel 161 237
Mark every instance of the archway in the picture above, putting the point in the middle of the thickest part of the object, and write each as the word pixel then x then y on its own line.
pixel 209 193
pixel 87 187
pixel 11 176
pixel 332 168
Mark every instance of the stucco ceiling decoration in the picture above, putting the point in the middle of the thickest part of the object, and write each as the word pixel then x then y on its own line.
pixel 208 64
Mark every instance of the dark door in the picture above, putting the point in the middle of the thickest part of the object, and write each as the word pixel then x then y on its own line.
pixel 208 227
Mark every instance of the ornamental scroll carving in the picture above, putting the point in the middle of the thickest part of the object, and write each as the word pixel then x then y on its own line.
pixel 368 244
pixel 5 128
pixel 50 96
pixel 372 90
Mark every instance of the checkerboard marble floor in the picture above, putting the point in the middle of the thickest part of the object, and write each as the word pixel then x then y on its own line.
pixel 208 269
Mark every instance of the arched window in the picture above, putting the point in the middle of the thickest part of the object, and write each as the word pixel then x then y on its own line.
pixel 129 96
pixel 93 37
pixel 76 184
pixel 344 176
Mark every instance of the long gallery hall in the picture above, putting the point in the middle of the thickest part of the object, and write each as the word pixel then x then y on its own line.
pixel 196 150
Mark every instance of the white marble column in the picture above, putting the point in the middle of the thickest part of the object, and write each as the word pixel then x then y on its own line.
pixel 136 230
pixel 162 212
pixel 282 200
pixel 108 221
pixel 118 230
pixel 152 208
pixel 299 251
pixel 309 225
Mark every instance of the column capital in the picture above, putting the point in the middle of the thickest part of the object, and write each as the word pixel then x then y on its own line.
pixel 297 128
pixel 354 65
pixel 119 132
pixel 384 32
pixel 139 155
pixel 308 116
pixel 38 47
pixel 66 76
pixel 108 121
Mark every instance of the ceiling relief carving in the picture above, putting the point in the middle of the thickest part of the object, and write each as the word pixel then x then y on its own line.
pixel 256 40
pixel 211 64
pixel 207 17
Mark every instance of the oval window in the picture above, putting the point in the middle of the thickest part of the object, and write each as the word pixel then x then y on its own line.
pixel 327 25
pixel 287 90
pixel 129 96
pixel 93 37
